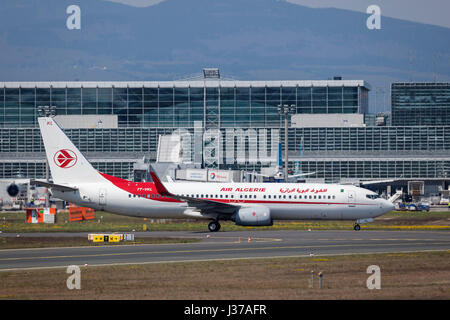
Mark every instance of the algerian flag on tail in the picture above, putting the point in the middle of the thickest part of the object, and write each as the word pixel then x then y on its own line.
pixel 67 164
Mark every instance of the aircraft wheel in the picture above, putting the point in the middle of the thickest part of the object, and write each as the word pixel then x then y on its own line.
pixel 357 227
pixel 214 226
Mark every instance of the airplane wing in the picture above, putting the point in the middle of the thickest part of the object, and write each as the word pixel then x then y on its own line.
pixel 52 185
pixel 203 205
pixel 301 174
pixel 377 181
pixel 260 174
pixel 290 176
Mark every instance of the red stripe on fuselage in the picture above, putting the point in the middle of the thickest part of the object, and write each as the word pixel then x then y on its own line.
pixel 149 188
pixel 138 188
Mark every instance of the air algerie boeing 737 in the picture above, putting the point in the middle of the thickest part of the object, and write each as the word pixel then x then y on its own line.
pixel 247 204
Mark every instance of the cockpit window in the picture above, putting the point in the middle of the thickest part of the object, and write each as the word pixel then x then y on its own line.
pixel 372 196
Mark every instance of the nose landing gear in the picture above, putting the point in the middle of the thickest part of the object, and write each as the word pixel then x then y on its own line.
pixel 357 227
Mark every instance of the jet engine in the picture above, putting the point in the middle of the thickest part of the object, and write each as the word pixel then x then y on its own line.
pixel 13 190
pixel 253 216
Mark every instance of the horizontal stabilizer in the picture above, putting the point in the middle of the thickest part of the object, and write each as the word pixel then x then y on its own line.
pixel 52 185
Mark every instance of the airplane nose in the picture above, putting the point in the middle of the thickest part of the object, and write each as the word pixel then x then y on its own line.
pixel 389 205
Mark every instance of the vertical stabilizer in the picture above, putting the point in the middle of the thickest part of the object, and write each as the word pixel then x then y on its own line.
pixel 67 164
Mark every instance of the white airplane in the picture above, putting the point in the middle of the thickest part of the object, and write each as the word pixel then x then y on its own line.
pixel 247 204
pixel 279 174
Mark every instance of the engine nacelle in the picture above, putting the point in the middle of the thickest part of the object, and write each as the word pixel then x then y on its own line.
pixel 13 190
pixel 253 216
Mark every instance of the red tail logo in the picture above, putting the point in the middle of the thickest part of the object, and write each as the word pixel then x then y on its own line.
pixel 65 158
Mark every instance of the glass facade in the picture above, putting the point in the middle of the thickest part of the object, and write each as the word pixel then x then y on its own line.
pixel 334 171
pixel 244 115
pixel 178 104
pixel 312 140
pixel 308 147
pixel 36 169
pixel 420 104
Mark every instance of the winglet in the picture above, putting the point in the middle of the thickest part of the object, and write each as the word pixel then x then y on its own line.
pixel 158 184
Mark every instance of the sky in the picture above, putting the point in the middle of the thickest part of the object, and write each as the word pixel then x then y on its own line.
pixel 433 12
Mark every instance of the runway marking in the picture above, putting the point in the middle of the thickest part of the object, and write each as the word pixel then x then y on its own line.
pixel 222 259
pixel 204 250
pixel 152 244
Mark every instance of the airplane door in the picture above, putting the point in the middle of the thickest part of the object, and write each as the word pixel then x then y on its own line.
pixel 351 198
pixel 102 196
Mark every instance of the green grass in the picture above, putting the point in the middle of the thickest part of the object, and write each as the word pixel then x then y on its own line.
pixel 14 222
pixel 404 276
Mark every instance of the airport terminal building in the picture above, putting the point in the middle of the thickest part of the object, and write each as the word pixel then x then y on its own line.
pixel 230 124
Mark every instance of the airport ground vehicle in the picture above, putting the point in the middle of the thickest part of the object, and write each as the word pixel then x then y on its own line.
pixel 414 207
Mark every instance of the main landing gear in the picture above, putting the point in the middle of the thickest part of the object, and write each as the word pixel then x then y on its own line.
pixel 357 227
pixel 214 226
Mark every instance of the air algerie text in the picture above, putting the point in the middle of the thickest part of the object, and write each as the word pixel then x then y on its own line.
pixel 244 189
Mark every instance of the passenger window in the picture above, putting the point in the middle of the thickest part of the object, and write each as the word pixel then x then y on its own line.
pixel 157 195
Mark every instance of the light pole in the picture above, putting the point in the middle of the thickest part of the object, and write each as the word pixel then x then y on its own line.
pixel 47 111
pixel 286 110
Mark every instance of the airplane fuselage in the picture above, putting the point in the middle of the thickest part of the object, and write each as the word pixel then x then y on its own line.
pixel 286 201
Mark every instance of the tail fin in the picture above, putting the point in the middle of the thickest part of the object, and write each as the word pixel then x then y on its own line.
pixel 67 164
